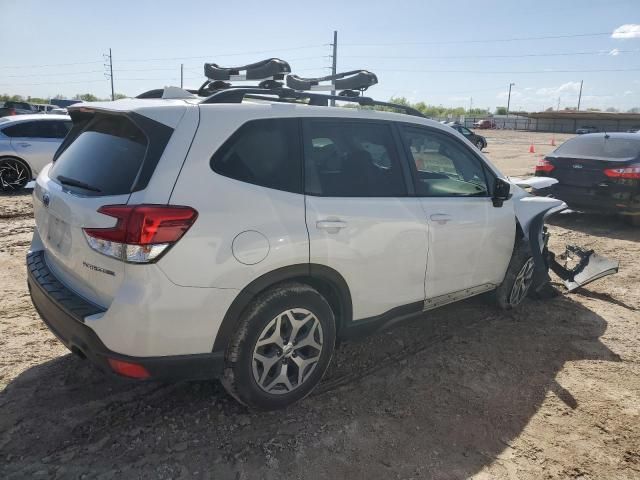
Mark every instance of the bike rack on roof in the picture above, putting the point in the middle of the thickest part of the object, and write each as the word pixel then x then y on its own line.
pixel 270 72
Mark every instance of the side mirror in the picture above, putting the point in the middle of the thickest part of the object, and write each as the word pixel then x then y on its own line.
pixel 501 192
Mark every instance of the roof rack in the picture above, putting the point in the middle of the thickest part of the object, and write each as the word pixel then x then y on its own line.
pixel 284 94
pixel 270 73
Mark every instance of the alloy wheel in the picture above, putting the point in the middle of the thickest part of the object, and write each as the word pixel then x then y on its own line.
pixel 13 174
pixel 287 351
pixel 522 283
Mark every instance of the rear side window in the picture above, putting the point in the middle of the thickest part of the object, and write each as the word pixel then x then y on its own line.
pixel 39 129
pixel 263 152
pixel 351 159
pixel 599 146
pixel 106 155
pixel 23 129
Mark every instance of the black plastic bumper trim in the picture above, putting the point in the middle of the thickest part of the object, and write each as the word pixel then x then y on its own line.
pixel 63 311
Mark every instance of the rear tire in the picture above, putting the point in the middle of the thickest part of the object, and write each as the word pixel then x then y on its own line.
pixel 14 174
pixel 517 281
pixel 480 145
pixel 281 349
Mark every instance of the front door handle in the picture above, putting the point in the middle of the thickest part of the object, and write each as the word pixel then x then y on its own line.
pixel 440 218
pixel 331 226
pixel 24 144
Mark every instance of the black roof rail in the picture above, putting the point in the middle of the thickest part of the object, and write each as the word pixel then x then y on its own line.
pixel 237 95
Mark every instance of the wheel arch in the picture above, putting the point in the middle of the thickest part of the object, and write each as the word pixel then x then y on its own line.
pixel 329 283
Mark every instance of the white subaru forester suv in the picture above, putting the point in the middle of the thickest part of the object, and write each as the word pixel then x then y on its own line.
pixel 240 235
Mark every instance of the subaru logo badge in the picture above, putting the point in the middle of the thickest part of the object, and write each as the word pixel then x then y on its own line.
pixel 46 199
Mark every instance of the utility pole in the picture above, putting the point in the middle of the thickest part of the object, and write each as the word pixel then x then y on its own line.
pixel 558 107
pixel 509 98
pixel 470 104
pixel 580 94
pixel 110 74
pixel 181 75
pixel 334 61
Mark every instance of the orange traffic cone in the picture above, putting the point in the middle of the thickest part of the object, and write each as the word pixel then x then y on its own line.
pixel 553 141
pixel 532 149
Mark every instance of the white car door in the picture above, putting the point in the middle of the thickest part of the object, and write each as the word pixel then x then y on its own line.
pixel 470 239
pixel 361 221
pixel 36 141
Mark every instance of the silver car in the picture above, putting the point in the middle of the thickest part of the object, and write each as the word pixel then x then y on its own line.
pixel 27 144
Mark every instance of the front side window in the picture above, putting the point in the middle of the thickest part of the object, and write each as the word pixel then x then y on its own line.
pixel 443 166
pixel 263 152
pixel 351 159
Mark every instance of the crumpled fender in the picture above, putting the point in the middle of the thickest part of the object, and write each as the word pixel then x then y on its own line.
pixel 527 207
pixel 531 213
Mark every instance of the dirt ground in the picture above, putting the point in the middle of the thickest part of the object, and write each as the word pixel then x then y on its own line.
pixel 549 391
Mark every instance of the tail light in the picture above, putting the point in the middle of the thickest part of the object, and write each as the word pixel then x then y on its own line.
pixel 632 171
pixel 142 232
pixel 12 111
pixel 544 166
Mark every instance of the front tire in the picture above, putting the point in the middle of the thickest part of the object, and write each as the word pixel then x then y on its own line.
pixel 14 174
pixel 281 349
pixel 518 280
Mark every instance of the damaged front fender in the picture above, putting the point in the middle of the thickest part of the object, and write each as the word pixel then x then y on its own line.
pixel 531 213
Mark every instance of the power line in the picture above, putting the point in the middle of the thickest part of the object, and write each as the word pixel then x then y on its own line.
pixel 513 39
pixel 287 49
pixel 597 52
pixel 546 71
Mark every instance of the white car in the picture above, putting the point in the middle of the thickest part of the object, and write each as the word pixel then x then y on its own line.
pixel 239 238
pixel 27 144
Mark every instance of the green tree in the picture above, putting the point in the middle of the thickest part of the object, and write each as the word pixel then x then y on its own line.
pixel 119 96
pixel 501 110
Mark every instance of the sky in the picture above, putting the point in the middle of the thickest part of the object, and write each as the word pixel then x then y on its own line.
pixel 451 53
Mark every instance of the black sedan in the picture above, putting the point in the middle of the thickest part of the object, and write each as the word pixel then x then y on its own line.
pixel 596 172
pixel 478 140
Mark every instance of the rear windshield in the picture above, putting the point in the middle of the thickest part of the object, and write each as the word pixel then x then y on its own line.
pixel 106 157
pixel 599 147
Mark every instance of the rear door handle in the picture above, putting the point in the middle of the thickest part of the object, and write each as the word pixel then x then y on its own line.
pixel 440 218
pixel 331 226
pixel 24 144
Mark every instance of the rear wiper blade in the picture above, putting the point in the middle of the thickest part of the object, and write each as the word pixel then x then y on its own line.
pixel 77 183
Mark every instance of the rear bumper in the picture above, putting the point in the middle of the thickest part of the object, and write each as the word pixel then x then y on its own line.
pixel 64 313
pixel 607 200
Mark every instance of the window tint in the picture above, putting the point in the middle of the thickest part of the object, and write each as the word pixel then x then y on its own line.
pixel 106 155
pixel 598 146
pixel 39 129
pixel 263 152
pixel 351 159
pixel 444 167
pixel 50 129
pixel 23 129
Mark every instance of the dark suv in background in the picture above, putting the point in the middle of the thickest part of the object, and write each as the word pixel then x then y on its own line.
pixel 16 108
